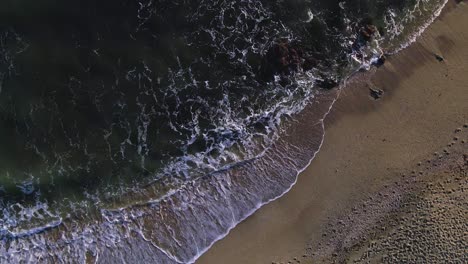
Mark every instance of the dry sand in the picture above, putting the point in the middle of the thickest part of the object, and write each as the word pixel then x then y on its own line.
pixel 378 191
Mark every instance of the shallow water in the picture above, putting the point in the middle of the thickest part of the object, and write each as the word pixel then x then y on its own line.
pixel 154 127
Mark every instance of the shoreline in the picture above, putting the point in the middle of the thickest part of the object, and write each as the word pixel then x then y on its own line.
pixel 252 245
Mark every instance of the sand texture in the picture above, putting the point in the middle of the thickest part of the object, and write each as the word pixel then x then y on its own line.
pixel 389 184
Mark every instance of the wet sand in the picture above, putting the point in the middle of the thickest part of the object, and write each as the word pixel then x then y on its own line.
pixel 381 160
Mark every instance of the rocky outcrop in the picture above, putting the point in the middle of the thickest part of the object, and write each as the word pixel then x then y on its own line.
pixel 367 32
pixel 285 57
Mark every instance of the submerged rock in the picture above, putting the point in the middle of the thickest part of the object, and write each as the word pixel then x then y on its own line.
pixel 285 58
pixel 367 32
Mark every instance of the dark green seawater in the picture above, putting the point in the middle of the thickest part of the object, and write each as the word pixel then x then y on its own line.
pixel 118 110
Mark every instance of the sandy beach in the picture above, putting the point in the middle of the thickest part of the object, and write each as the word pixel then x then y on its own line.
pixel 388 169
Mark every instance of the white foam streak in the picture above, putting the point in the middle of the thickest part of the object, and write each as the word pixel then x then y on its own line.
pixel 413 37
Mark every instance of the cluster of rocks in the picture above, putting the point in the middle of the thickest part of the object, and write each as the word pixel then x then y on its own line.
pixel 286 57
pixel 367 32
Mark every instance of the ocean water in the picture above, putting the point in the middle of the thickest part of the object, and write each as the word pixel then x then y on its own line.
pixel 146 130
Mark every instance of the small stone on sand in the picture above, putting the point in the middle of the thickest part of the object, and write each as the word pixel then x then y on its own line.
pixel 376 93
pixel 439 58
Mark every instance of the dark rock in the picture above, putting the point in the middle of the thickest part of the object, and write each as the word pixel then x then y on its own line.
pixel 439 58
pixel 367 32
pixel 376 93
pixel 285 58
pixel 380 61
pixel 309 63
pixel 364 35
